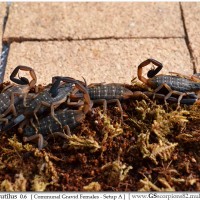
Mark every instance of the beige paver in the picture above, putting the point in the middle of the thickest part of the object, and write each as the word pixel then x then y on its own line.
pixel 192 19
pixel 93 20
pixel 2 15
pixel 98 60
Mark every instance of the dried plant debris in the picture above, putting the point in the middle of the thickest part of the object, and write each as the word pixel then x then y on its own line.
pixel 155 148
pixel 94 186
pixel 115 172
pixel 147 185
pixel 161 149
pixel 17 186
pixel 81 142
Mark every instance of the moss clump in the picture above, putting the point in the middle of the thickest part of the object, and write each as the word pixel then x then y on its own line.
pixel 154 148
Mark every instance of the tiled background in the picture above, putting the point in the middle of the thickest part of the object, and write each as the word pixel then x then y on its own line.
pixel 103 42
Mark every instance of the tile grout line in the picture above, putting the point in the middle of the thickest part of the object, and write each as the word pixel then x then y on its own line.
pixel 187 41
pixel 69 39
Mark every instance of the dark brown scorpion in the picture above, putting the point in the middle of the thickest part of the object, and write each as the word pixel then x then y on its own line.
pixel 67 119
pixel 12 94
pixel 110 93
pixel 49 98
pixel 177 84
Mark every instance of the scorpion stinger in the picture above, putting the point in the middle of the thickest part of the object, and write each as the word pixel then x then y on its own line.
pixel 152 72
pixel 23 80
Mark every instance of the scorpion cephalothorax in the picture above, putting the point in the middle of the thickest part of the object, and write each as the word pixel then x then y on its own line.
pixel 175 84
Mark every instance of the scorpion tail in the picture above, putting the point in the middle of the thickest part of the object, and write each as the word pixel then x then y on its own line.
pixel 13 123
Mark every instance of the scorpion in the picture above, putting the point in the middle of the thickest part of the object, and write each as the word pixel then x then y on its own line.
pixel 68 119
pixel 109 93
pixel 175 84
pixel 12 94
pixel 49 98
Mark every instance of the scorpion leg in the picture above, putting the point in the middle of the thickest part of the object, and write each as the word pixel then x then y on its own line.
pixel 21 126
pixel 137 94
pixel 67 130
pixel 41 140
pixel 38 137
pixel 104 102
pixel 101 101
pixel 33 125
pixel 118 104
pixel 180 94
pixel 52 106
pixel 87 102
pixel 5 88
pixel 167 87
pixel 172 99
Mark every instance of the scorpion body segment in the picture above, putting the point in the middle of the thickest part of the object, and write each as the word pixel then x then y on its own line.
pixel 47 125
pixel 109 91
pixel 5 97
pixel 46 96
pixel 174 82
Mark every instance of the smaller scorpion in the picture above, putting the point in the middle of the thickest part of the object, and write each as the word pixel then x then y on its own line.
pixel 12 94
pixel 175 84
pixel 68 119
pixel 109 93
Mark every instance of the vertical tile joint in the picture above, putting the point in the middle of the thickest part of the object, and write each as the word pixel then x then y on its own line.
pixel 187 40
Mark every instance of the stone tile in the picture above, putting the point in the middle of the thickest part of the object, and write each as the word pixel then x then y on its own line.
pixel 2 15
pixel 98 60
pixel 191 12
pixel 93 20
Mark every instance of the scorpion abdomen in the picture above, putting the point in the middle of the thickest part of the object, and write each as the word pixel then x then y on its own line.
pixel 48 125
pixel 107 92
pixel 4 102
pixel 175 83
